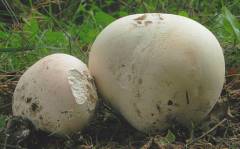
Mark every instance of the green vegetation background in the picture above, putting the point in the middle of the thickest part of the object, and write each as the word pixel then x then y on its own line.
pixel 30 30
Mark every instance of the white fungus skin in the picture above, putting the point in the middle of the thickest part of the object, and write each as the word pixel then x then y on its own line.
pixel 57 94
pixel 158 69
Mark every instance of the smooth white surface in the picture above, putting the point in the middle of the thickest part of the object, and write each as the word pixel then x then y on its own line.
pixel 57 94
pixel 158 69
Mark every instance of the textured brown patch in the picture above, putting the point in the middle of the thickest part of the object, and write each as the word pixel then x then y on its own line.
pixel 187 97
pixel 29 99
pixel 146 23
pixel 158 108
pixel 92 98
pixel 141 17
pixel 34 107
pixel 139 22
pixel 137 110
pixel 170 102
pixel 64 112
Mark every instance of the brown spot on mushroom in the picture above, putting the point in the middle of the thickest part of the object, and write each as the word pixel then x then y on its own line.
pixel 35 107
pixel 140 81
pixel 40 117
pixel 92 98
pixel 152 114
pixel 88 86
pixel 123 65
pixel 158 108
pixel 64 112
pixel 187 97
pixel 141 17
pixel 139 22
pixel 170 102
pixel 28 99
pixel 137 110
pixel 146 23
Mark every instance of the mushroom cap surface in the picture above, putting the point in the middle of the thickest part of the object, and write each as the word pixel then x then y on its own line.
pixel 57 94
pixel 158 69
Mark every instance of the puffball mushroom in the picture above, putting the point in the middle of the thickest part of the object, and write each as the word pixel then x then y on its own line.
pixel 158 69
pixel 57 94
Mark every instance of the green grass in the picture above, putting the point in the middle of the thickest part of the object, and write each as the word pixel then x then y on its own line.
pixel 2 121
pixel 71 27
